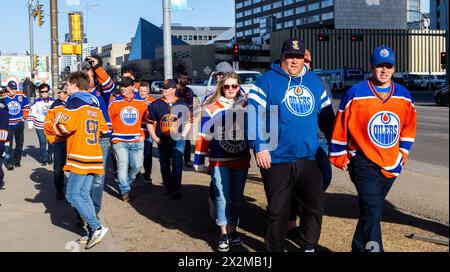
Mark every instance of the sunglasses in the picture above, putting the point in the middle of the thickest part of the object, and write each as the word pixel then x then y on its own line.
pixel 227 87
pixel 44 91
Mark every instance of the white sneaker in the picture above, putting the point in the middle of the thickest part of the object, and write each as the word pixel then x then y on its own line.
pixel 97 237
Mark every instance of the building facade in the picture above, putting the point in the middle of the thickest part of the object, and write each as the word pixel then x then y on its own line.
pixel 255 19
pixel 197 35
pixel 439 14
pixel 111 53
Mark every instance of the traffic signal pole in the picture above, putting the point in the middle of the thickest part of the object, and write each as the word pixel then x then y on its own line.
pixel 54 39
pixel 30 15
pixel 168 70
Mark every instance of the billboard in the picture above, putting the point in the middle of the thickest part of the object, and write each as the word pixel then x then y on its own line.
pixel 18 67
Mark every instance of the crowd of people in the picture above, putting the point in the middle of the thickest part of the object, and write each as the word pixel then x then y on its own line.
pixel 286 119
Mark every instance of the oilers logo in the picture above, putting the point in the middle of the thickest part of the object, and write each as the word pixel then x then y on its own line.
pixel 45 110
pixel 169 124
pixel 235 144
pixel 14 108
pixel 300 101
pixel 129 116
pixel 384 129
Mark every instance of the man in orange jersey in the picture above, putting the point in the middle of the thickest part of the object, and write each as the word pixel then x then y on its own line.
pixel 374 131
pixel 127 113
pixel 83 122
pixel 144 92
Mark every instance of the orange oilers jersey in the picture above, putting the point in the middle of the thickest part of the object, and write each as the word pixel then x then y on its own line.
pixel 383 130
pixel 83 121
pixel 127 118
pixel 52 114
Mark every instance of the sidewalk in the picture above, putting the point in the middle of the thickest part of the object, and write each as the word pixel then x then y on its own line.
pixel 33 220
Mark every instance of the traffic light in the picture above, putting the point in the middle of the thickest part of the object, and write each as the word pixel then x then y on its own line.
pixel 40 14
pixel 443 60
pixel 35 61
pixel 235 51
pixel 323 38
pixel 357 38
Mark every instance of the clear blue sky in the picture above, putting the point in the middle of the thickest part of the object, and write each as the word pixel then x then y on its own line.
pixel 112 21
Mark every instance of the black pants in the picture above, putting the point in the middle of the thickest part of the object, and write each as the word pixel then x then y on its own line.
pixel 16 133
pixel 187 151
pixel 301 180
pixel 60 153
pixel 171 161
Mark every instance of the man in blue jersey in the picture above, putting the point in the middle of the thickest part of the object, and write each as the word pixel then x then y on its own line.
pixel 292 102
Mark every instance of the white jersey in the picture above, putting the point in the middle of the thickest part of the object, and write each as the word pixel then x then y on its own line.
pixel 38 112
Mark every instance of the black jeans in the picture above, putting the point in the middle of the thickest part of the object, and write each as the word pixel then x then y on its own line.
pixel 60 156
pixel 148 158
pixel 372 189
pixel 187 151
pixel 171 160
pixel 16 133
pixel 301 180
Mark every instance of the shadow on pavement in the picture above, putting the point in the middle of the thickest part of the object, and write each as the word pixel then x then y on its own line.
pixel 61 213
pixel 32 151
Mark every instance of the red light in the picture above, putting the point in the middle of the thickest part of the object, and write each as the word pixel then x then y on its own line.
pixel 323 38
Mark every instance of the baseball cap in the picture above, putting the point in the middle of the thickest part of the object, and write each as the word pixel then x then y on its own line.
pixel 293 46
pixel 224 67
pixel 12 85
pixel 169 84
pixel 383 54
pixel 126 82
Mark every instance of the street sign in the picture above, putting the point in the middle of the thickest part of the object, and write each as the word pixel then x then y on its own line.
pixel 207 70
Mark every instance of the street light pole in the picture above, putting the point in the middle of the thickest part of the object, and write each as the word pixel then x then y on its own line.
pixel 54 39
pixel 168 71
pixel 30 15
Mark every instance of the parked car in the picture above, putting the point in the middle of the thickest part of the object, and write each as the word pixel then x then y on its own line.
pixel 436 81
pixel 441 96
pixel 248 78
pixel 156 87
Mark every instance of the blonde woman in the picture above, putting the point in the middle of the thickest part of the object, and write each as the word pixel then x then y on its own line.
pixel 222 137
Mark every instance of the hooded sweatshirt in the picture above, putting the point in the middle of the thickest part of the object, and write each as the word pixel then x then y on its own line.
pixel 288 107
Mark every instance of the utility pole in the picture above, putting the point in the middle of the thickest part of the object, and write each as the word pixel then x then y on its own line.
pixel 55 44
pixel 31 18
pixel 168 71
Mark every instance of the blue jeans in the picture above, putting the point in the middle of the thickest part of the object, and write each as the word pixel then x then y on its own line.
pixel 171 160
pixel 324 163
pixel 99 180
pixel 148 158
pixel 78 193
pixel 372 189
pixel 229 187
pixel 60 157
pixel 15 132
pixel 129 158
pixel 43 146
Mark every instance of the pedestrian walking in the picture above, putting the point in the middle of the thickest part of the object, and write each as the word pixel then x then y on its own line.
pixel 144 92
pixel 187 94
pixel 374 131
pixel 228 152
pixel 292 100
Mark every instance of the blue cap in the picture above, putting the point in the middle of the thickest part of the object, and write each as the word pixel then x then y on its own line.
pixel 12 85
pixel 383 54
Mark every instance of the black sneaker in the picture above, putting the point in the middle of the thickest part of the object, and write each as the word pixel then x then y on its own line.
pixel 148 179
pixel 43 164
pixel 224 243
pixel 2 184
pixel 17 165
pixel 235 240
pixel 49 160
pixel 293 234
pixel 9 167
pixel 188 164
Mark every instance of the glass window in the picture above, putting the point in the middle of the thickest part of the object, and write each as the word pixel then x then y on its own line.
pixel 239 24
pixel 256 10
pixel 279 26
pixel 256 1
pixel 288 12
pixel 327 3
pixel 278 15
pixel 256 20
pixel 190 37
pixel 288 24
pixel 313 6
pixel 248 12
pixel 209 37
pixel 248 22
pixel 288 2
pixel 248 3
pixel 240 34
pixel 239 5
pixel 267 7
pixel 195 37
pixel 239 15
pixel 248 32
pixel 277 4
pixel 300 10
pixel 327 16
